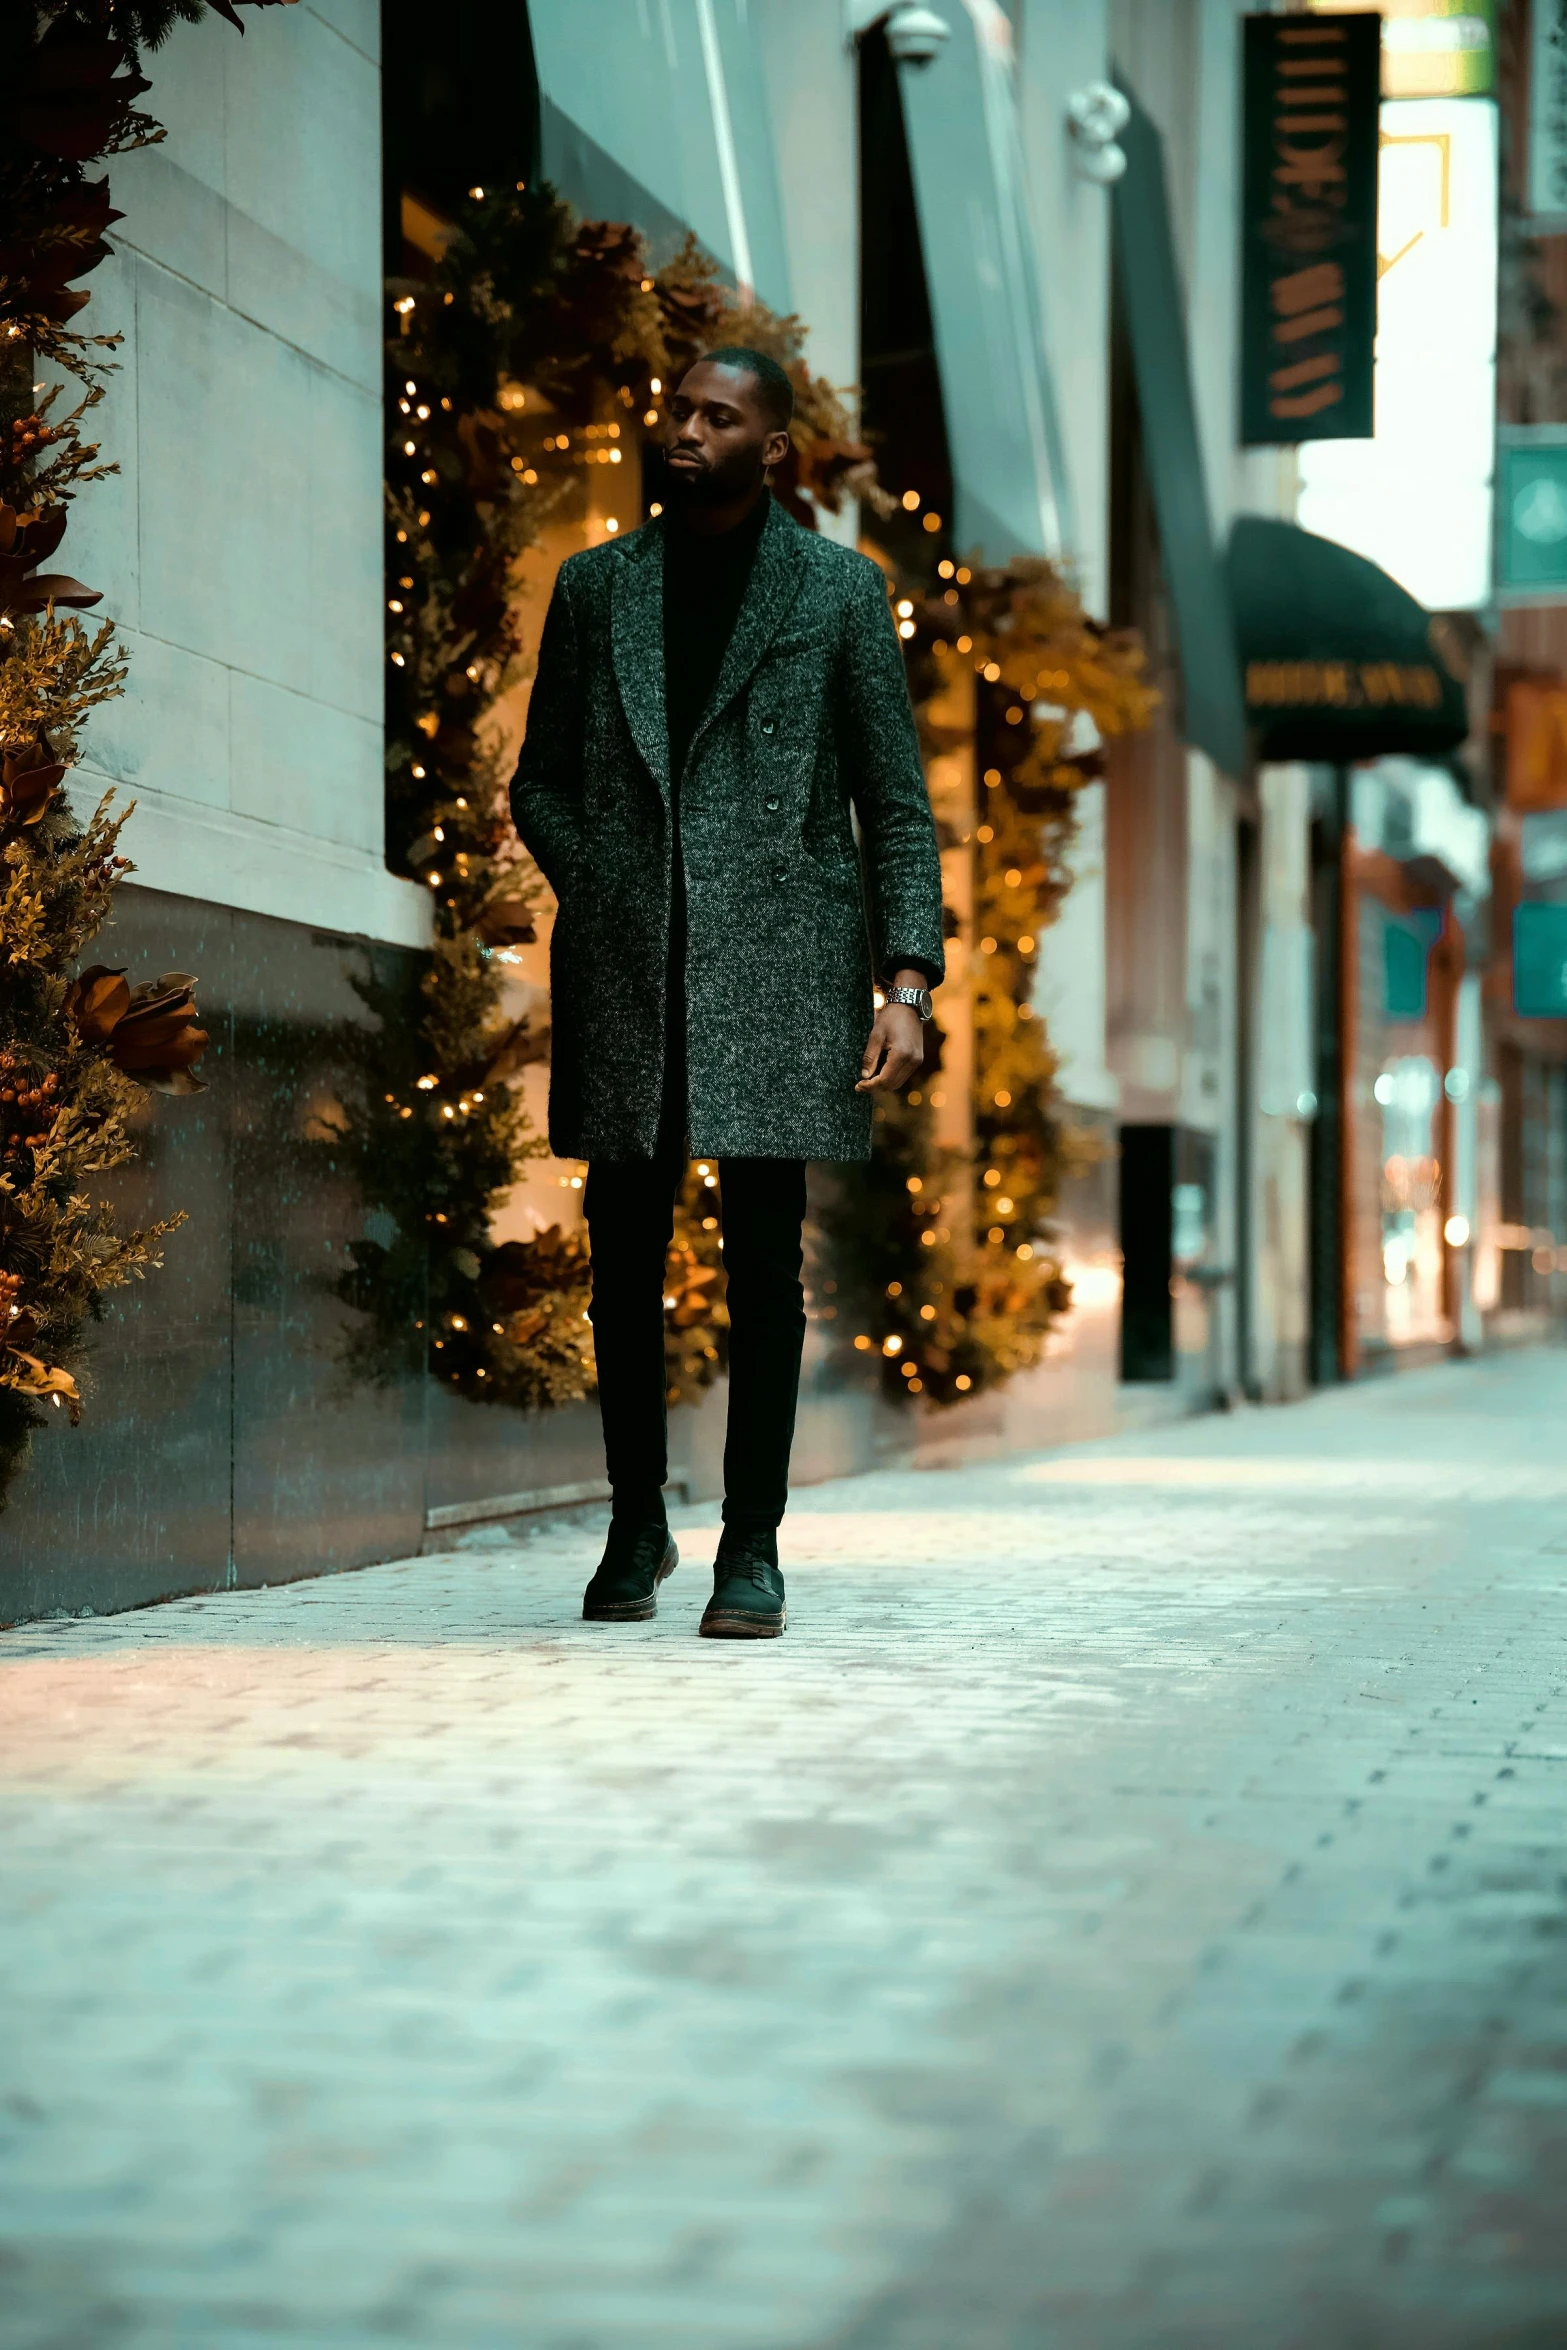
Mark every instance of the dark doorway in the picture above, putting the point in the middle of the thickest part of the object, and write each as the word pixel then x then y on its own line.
pixel 459 106
pixel 1330 818
pixel 901 406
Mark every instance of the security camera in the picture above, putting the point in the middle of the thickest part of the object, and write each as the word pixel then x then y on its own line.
pixel 915 34
pixel 1103 165
pixel 1096 115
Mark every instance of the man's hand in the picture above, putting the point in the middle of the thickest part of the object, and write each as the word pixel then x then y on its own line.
pixel 896 1049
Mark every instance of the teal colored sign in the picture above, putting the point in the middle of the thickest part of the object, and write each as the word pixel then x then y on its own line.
pixel 1540 961
pixel 1532 516
pixel 1406 954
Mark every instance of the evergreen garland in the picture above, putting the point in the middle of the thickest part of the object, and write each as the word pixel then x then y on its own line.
pixel 945 1269
pixel 539 348
pixel 76 1054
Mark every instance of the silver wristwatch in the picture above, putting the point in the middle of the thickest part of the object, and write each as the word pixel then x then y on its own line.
pixel 917 997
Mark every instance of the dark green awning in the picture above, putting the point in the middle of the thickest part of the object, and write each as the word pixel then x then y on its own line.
pixel 1339 661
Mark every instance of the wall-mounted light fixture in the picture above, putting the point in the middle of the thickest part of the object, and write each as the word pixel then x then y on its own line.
pixel 914 34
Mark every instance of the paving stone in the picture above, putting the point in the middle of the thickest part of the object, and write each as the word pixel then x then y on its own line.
pixel 1126 1912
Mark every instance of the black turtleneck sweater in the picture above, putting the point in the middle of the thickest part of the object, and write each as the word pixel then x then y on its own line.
pixel 705 580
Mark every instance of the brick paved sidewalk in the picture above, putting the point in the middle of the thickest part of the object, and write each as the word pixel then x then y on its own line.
pixel 1126 1912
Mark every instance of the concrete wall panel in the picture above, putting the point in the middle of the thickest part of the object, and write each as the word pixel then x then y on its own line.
pixel 240 544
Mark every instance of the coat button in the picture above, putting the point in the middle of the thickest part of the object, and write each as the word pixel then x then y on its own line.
pixel 772 806
pixel 767 726
pixel 780 873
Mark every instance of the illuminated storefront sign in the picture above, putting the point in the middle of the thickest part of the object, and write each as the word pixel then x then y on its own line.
pixel 1536 736
pixel 1309 291
pixel 1432 48
pixel 1417 497
pixel 1343 685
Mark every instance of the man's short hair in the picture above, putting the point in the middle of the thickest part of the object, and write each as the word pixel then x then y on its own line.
pixel 773 389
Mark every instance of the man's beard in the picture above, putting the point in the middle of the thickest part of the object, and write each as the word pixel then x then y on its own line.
pixel 721 485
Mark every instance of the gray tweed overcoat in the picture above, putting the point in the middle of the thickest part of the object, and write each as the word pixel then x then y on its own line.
pixel 787 918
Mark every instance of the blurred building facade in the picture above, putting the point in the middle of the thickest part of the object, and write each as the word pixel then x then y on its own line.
pixel 1307 987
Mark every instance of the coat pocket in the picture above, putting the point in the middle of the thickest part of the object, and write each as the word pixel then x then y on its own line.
pixel 837 870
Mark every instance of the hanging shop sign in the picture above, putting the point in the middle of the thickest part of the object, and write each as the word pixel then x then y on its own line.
pixel 1432 48
pixel 1338 662
pixel 1309 209
pixel 1531 513
pixel 1535 719
pixel 1547 182
pixel 1417 497
pixel 1540 960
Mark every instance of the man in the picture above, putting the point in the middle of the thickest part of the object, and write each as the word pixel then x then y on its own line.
pixel 714 695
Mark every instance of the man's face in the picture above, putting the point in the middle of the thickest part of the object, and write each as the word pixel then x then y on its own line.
pixel 718 438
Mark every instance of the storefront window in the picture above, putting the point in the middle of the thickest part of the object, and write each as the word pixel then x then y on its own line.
pixel 1408 1090
pixel 1398 1130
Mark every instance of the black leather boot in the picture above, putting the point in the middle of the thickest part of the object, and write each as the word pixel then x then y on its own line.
pixel 638 1555
pixel 748 1590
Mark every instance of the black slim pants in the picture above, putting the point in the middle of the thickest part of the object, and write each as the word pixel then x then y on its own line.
pixel 630 1211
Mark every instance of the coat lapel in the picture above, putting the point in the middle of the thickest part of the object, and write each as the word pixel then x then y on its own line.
pixel 776 572
pixel 636 634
